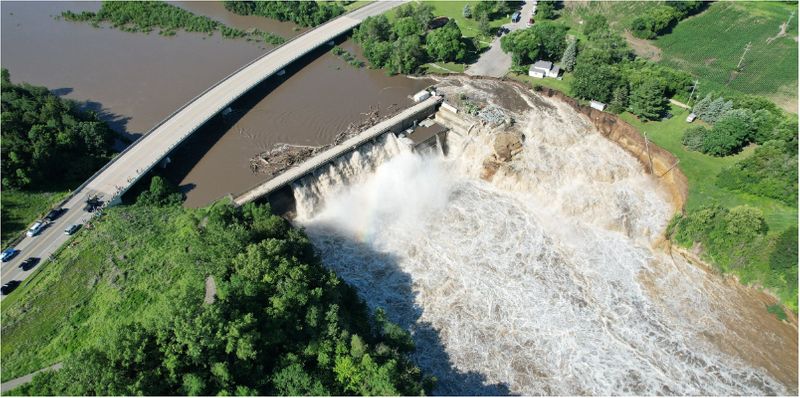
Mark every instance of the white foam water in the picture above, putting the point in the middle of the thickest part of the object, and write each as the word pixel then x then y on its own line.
pixel 540 282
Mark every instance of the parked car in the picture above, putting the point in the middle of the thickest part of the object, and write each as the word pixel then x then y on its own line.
pixel 9 287
pixel 54 214
pixel 72 229
pixel 36 228
pixel 29 263
pixel 9 253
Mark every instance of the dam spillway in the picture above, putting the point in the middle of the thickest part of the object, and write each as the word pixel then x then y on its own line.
pixel 543 278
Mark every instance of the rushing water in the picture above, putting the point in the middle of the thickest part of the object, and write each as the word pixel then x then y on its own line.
pixel 544 280
pixel 136 80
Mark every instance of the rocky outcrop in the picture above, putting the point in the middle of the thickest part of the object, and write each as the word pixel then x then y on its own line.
pixel 506 145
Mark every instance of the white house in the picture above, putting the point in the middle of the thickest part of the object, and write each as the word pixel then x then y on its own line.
pixel 597 105
pixel 542 69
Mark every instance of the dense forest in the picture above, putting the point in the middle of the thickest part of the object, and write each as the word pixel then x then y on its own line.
pixel 48 140
pixel 275 322
pixel 405 43
pixel 303 13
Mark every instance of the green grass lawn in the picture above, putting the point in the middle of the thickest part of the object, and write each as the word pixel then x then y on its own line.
pixel 710 44
pixel 702 170
pixel 356 5
pixel 562 85
pixel 469 27
pixel 19 209
pixel 443 67
pixel 60 307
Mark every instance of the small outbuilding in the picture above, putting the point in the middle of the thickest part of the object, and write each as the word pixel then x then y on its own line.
pixel 691 117
pixel 597 105
pixel 541 69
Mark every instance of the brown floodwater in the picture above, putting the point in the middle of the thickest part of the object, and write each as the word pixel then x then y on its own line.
pixel 135 80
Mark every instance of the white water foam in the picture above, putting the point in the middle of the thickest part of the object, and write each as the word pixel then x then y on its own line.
pixel 533 283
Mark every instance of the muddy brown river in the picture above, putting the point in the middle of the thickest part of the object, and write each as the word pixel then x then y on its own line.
pixel 135 80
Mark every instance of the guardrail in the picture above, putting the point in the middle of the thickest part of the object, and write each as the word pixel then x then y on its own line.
pixel 195 98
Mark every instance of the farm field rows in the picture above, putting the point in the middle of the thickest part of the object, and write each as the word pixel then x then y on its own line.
pixel 711 44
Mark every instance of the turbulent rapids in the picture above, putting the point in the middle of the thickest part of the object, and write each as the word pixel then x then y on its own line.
pixel 543 278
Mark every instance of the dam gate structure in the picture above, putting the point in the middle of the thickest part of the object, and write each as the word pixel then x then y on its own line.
pixel 425 134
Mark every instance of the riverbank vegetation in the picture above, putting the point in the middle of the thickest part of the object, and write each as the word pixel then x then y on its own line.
pixel 346 56
pixel 404 43
pixel 48 146
pixel 156 299
pixel 766 259
pixel 144 17
pixel 719 62
pixel 740 158
pixel 303 13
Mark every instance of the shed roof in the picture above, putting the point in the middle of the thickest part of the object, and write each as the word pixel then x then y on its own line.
pixel 546 65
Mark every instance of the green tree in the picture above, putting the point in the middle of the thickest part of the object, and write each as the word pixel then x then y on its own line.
pixel 466 12
pixel 701 106
pixel 47 140
pixel 694 138
pixel 570 55
pixel 444 44
pixel 594 78
pixel 770 172
pixel 161 193
pixel 546 9
pixel 406 55
pixel 544 40
pixel 407 26
pixel 483 24
pixel 619 101
pixel 647 100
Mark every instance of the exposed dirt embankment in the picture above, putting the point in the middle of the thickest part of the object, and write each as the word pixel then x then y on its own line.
pixel 664 163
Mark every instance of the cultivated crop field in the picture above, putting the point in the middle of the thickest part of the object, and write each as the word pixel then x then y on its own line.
pixel 710 45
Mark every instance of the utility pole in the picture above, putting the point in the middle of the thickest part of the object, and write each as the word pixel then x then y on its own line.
pixel 694 86
pixel 746 49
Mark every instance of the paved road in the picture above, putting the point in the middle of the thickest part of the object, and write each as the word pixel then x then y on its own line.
pixel 14 383
pixel 141 156
pixel 494 62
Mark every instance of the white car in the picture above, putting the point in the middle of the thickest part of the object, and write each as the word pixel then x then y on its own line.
pixel 35 229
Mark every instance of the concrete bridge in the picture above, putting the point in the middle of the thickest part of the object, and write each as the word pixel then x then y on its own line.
pixel 120 174
pixel 395 124
pixel 116 177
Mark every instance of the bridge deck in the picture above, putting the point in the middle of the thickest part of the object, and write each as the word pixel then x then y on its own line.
pixel 329 155
pixel 130 165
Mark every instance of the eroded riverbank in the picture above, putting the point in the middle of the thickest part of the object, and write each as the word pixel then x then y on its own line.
pixel 544 276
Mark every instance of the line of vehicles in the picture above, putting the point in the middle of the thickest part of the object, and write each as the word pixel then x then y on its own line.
pixel 92 204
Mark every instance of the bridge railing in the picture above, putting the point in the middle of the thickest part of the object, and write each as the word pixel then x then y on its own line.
pixel 191 101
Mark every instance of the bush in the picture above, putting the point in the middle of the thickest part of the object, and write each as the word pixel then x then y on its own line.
pixel 770 172
pixel 694 138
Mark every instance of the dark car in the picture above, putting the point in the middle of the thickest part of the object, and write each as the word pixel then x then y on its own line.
pixel 29 263
pixel 9 287
pixel 9 253
pixel 55 213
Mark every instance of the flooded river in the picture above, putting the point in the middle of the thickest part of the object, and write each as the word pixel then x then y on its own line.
pixel 135 80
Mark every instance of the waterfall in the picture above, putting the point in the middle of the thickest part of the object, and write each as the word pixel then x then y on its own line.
pixel 543 280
